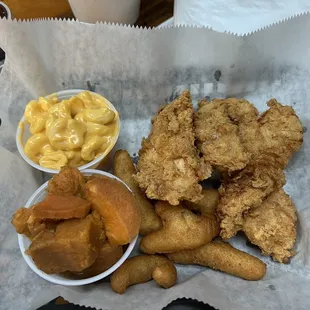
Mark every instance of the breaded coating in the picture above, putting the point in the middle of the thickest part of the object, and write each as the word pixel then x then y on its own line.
pixel 231 135
pixel 207 205
pixel 69 181
pixel 276 135
pixel 222 256
pixel 272 226
pixel 244 191
pixel 141 269
pixel 169 167
pixel 217 129
pixel 125 170
pixel 181 230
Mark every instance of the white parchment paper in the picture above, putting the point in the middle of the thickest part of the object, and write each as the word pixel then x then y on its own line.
pixel 236 16
pixel 138 70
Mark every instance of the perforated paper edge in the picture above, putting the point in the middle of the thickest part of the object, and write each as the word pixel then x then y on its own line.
pixel 161 28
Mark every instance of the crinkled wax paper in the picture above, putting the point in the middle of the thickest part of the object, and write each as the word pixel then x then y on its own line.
pixel 138 70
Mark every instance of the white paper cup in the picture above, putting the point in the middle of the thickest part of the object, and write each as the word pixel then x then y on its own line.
pixel 117 11
pixel 24 242
pixel 23 134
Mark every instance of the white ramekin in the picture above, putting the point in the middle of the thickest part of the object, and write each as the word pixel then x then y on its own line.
pixel 24 242
pixel 23 133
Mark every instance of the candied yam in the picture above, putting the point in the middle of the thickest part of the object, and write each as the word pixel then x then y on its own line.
pixel 81 230
pixel 108 255
pixel 46 252
pixel 61 207
pixel 29 225
pixel 116 204
pixel 98 219
pixel 69 181
pixel 35 225
pixel 73 247
pixel 19 220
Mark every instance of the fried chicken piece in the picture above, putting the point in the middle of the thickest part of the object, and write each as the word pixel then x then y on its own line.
pixel 272 226
pixel 217 129
pixel 182 230
pixel 244 191
pixel 276 135
pixel 69 181
pixel 169 167
pixel 231 135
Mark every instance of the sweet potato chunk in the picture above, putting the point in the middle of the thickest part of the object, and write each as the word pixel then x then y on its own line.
pixel 73 247
pixel 116 204
pixel 27 224
pixel 108 255
pixel 69 181
pixel 35 226
pixel 19 220
pixel 61 207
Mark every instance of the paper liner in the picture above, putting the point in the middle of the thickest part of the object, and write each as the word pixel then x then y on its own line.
pixel 138 70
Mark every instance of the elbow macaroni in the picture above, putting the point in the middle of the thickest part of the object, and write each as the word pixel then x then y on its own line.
pixel 70 132
pixel 92 146
pixel 66 134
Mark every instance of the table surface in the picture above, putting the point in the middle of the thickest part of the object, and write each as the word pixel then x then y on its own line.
pixel 152 12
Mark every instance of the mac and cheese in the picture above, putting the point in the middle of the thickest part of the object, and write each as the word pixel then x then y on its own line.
pixel 69 132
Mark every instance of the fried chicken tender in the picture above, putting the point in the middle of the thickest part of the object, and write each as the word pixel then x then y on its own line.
pixel 181 230
pixel 69 181
pixel 125 169
pixel 141 269
pixel 217 129
pixel 207 205
pixel 276 135
pixel 231 135
pixel 222 256
pixel 272 226
pixel 169 167
pixel 243 192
